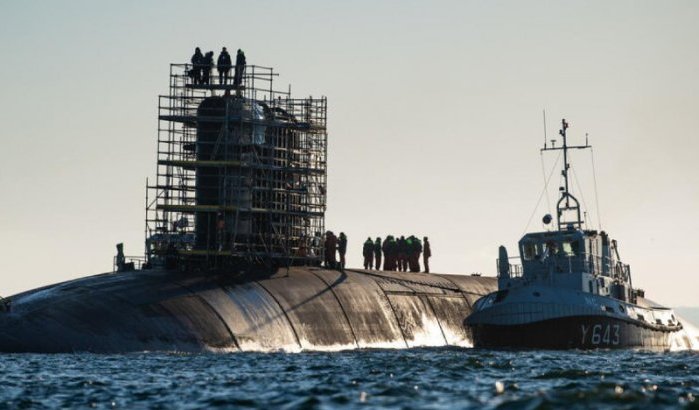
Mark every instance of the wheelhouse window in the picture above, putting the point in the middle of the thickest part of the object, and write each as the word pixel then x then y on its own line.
pixel 529 251
pixel 569 248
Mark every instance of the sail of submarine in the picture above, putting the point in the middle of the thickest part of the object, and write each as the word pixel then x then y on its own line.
pixel 235 225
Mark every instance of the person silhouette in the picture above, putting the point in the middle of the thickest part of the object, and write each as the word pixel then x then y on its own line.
pixel 223 65
pixel 239 68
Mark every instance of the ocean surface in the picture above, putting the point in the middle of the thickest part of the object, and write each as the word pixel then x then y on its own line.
pixel 434 378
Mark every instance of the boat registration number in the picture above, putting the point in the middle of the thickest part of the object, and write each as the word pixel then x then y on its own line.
pixel 600 334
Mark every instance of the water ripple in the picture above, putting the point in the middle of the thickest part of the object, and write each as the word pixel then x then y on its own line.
pixel 392 379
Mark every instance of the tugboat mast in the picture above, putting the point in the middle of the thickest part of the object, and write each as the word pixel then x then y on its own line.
pixel 567 202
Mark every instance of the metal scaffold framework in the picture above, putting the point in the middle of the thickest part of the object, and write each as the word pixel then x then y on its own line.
pixel 241 172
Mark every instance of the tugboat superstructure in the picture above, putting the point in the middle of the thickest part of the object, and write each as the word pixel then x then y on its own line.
pixel 571 289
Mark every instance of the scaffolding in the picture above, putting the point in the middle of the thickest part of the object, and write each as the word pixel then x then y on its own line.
pixel 241 173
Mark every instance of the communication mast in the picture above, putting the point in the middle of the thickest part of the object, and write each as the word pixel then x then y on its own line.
pixel 568 203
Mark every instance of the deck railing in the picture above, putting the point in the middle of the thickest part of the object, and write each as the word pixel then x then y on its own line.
pixel 596 265
pixel 130 263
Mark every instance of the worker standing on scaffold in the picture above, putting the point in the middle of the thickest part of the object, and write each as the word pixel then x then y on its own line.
pixel 197 60
pixel 239 68
pixel 223 65
pixel 206 67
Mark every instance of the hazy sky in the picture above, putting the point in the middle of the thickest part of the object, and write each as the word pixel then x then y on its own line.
pixel 435 121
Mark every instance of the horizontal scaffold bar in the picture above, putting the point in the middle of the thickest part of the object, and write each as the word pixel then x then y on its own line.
pixel 215 86
pixel 204 252
pixel 192 119
pixel 216 208
pixel 191 164
pixel 199 163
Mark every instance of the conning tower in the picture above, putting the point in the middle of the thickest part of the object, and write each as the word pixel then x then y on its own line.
pixel 241 173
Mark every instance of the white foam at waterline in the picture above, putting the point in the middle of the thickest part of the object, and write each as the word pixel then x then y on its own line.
pixel 685 339
pixel 386 344
pixel 330 348
pixel 430 334
pixel 254 348
pixel 455 337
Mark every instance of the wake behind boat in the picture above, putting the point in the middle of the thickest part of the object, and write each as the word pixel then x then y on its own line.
pixel 571 290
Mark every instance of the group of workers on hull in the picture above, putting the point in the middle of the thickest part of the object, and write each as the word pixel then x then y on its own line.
pixel 202 64
pixel 402 254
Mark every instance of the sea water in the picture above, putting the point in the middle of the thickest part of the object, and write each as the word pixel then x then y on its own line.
pixel 434 378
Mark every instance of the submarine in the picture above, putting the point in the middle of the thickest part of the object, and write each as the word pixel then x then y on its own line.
pixel 234 247
pixel 571 290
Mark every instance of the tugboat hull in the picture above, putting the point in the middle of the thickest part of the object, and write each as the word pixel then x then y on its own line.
pixel 576 332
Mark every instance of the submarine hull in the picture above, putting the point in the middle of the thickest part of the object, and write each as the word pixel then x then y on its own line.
pixel 576 332
pixel 295 309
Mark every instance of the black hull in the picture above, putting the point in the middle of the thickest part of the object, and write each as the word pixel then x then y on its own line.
pixel 302 308
pixel 577 332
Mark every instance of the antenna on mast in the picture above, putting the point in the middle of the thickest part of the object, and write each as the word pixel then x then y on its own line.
pixel 567 202
pixel 544 128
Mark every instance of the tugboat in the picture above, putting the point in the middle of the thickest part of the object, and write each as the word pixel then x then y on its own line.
pixel 571 290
